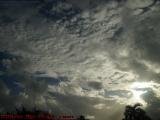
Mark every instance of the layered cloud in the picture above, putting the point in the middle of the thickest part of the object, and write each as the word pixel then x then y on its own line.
pixel 80 57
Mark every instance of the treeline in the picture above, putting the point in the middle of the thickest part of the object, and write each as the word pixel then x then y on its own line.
pixel 134 112
pixel 24 114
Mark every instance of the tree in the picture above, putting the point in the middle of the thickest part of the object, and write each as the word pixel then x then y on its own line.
pixel 135 113
pixel 81 117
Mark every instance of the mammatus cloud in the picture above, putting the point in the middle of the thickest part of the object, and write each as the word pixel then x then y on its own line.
pixel 79 57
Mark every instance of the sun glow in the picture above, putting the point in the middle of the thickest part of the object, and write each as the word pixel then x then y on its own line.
pixel 141 85
pixel 136 98
pixel 138 89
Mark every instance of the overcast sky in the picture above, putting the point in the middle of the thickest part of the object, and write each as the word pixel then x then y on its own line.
pixel 90 57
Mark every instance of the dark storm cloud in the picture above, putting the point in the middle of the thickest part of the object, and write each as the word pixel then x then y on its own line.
pixel 52 80
pixel 17 3
pixel 23 90
pixel 58 10
pixel 95 85
pixel 153 104
pixel 141 36
pixel 68 13
pixel 35 24
pixel 5 56
pixel 84 104
pixel 9 62
pixel 6 99
pixel 19 87
pixel 12 63
pixel 12 67
pixel 78 105
pixel 147 38
pixel 4 19
pixel 141 69
pixel 30 90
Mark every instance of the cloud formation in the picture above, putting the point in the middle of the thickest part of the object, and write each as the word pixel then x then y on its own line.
pixel 77 57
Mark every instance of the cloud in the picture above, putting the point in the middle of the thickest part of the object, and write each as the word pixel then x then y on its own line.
pixel 120 93
pixel 95 85
pixel 77 57
pixel 153 104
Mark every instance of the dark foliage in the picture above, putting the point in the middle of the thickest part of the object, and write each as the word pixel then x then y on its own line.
pixel 81 118
pixel 35 114
pixel 135 113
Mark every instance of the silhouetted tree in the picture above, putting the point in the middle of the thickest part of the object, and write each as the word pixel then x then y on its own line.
pixel 81 117
pixel 35 114
pixel 135 113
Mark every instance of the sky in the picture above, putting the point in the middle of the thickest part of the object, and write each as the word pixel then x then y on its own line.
pixel 89 57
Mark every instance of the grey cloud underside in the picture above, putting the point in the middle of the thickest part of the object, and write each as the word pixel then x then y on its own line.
pixel 95 85
pixel 121 93
pixel 154 104
pixel 78 57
